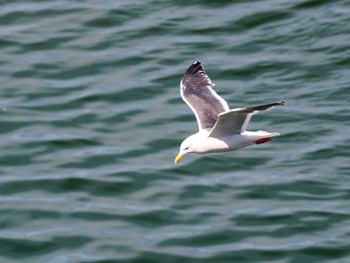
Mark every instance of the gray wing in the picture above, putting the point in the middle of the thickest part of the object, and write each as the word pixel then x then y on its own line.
pixel 235 121
pixel 197 91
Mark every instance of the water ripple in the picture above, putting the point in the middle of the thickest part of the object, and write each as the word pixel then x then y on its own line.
pixel 92 119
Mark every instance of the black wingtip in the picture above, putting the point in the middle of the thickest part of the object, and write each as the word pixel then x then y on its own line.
pixel 194 68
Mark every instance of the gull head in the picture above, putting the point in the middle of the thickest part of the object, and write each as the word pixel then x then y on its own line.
pixel 189 145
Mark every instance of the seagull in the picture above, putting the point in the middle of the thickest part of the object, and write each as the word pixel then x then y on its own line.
pixel 221 129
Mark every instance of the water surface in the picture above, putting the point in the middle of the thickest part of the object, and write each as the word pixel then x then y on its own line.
pixel 91 120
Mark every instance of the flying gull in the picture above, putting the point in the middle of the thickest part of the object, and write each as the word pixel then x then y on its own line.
pixel 220 129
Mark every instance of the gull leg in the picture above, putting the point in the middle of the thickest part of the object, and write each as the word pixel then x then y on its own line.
pixel 263 140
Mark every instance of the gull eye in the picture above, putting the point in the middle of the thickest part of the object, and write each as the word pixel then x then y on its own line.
pixel 186 148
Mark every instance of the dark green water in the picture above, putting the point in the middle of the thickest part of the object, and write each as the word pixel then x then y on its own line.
pixel 91 120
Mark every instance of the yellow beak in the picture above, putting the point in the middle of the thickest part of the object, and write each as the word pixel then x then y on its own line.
pixel 178 158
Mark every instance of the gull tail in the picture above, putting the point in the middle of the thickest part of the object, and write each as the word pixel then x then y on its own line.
pixel 262 136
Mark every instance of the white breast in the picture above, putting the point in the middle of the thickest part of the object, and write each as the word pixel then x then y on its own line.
pixel 230 143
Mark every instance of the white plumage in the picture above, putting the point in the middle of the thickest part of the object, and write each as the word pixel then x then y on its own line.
pixel 220 129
